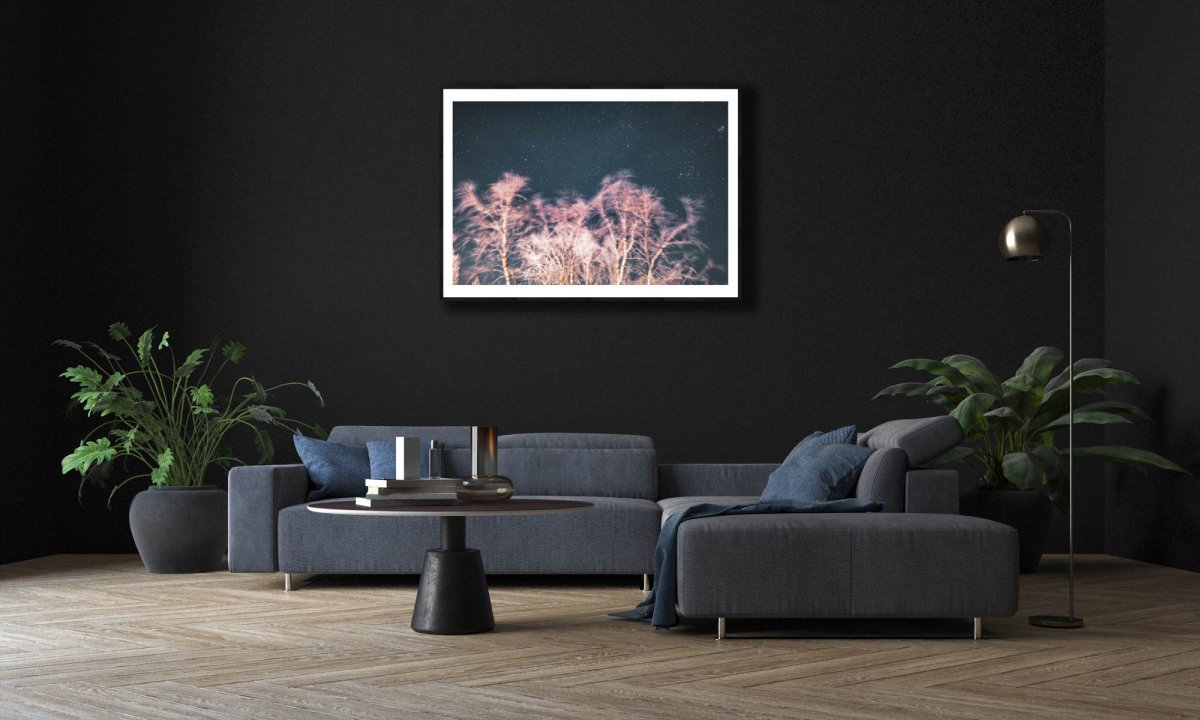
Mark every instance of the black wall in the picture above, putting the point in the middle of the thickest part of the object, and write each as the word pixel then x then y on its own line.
pixel 274 171
pixel 1152 295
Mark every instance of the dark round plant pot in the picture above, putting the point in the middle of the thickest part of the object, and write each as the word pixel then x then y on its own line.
pixel 180 529
pixel 1029 511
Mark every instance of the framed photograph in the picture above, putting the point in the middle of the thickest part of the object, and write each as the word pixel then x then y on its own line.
pixel 590 193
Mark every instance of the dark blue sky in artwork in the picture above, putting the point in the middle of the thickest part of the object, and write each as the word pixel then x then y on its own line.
pixel 678 148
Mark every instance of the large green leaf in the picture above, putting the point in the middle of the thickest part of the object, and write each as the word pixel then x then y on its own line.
pixel 67 344
pixel 1021 382
pixel 1003 413
pixel 316 392
pixel 971 409
pixel 234 351
pixel 266 449
pixel 119 331
pixel 88 454
pixel 1080 366
pixel 260 413
pixel 86 377
pixel 1114 407
pixel 1039 364
pixel 908 389
pixel 974 370
pixel 144 343
pixel 1088 382
pixel 202 398
pixel 1021 470
pixel 1083 417
pixel 1128 456
pixel 159 474
pixel 938 368
pixel 189 365
pixel 164 341
pixel 1048 458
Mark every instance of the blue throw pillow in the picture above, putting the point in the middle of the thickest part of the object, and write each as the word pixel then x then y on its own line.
pixel 336 470
pixel 818 469
pixel 383 459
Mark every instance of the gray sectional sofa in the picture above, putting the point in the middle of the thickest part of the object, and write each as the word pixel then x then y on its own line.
pixel 918 558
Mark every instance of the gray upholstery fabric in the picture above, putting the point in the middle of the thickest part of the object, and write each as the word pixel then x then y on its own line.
pixel 628 473
pixel 865 565
pixel 615 536
pixel 592 441
pixel 922 439
pixel 670 506
pixel 256 495
pixel 713 479
pixel 882 479
pixel 450 436
pixel 932 491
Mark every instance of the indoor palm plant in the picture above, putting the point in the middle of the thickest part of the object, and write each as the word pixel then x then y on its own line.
pixel 1010 429
pixel 173 421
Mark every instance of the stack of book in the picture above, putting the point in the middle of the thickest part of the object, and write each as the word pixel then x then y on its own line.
pixel 384 492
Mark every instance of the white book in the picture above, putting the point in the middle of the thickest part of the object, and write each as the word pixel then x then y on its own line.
pixel 408 458
pixel 418 485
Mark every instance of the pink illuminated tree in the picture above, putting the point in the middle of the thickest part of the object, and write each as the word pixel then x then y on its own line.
pixel 624 234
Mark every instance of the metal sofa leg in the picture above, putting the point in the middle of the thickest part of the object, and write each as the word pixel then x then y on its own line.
pixel 978 629
pixel 287 582
pixel 720 628
pixel 645 582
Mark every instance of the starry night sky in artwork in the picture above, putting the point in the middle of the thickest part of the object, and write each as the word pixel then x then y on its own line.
pixel 678 148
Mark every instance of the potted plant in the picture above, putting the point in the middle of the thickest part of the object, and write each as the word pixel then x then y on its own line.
pixel 1010 428
pixel 171 419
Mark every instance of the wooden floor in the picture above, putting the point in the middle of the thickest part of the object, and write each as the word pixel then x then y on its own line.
pixel 98 637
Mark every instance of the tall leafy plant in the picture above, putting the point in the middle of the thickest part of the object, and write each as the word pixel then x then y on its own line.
pixel 167 416
pixel 1012 426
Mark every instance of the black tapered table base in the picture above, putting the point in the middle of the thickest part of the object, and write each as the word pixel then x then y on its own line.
pixel 452 598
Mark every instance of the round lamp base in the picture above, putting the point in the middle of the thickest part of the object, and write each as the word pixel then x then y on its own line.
pixel 1055 621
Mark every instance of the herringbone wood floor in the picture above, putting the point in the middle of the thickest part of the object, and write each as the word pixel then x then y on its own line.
pixel 98 637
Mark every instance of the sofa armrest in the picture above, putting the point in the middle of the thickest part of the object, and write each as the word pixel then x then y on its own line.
pixel 256 495
pixel 931 491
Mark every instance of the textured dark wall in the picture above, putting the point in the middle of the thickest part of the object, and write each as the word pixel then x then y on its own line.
pixel 1153 169
pixel 274 171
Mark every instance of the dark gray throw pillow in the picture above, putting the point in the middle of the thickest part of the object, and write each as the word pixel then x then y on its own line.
pixel 819 469
pixel 336 470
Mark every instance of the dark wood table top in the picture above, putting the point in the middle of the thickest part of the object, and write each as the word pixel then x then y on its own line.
pixel 514 506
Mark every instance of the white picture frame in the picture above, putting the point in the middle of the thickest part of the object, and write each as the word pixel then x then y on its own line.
pixel 686 144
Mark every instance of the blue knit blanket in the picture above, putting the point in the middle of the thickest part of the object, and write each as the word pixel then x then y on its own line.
pixel 659 606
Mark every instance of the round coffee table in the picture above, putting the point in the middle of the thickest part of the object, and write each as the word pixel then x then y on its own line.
pixel 452 598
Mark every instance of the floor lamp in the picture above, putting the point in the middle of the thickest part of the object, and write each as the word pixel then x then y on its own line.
pixel 1025 238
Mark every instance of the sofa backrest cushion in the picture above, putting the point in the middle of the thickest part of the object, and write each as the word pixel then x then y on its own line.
pixel 921 439
pixel 587 464
pixel 713 479
pixel 884 479
pixel 448 436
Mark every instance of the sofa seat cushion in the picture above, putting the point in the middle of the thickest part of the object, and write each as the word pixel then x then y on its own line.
pixel 615 536
pixel 847 565
pixel 670 506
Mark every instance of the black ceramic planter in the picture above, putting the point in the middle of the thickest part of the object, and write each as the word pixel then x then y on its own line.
pixel 180 529
pixel 1029 511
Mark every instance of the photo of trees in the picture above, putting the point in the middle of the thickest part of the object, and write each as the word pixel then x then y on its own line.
pixel 630 195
